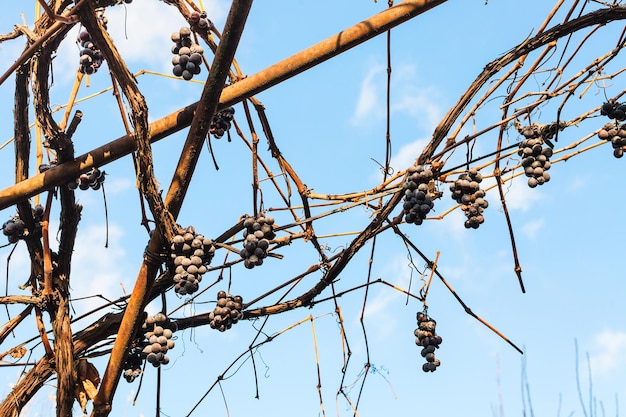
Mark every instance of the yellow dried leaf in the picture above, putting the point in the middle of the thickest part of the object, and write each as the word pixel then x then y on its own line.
pixel 17 352
pixel 86 384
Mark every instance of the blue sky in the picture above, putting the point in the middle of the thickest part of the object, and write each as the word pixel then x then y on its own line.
pixel 330 125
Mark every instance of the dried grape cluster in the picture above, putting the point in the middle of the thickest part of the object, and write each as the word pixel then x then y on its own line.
pixel 535 156
pixel 227 312
pixel 14 229
pixel 429 340
pixel 90 56
pixel 158 331
pixel 221 122
pixel 106 3
pixel 44 167
pixel 259 231
pixel 614 110
pixel 200 19
pixel 187 54
pixel 418 197
pixel 38 213
pixel 191 253
pixel 104 21
pixel 132 364
pixel 94 178
pixel 467 192
pixel 616 134
pixel 91 179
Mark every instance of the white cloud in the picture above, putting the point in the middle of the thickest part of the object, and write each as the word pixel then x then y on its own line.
pixel 578 183
pixel 453 227
pixel 519 196
pixel 18 266
pixel 404 157
pixel 408 153
pixel 119 185
pixel 97 270
pixel 609 353
pixel 369 103
pixel 420 106
pixel 531 228
pixel 142 34
pixel 379 314
pixel 418 101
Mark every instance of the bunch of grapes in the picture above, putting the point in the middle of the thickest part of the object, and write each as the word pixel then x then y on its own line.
pixel 614 110
pixel 158 331
pixel 191 253
pixel 221 122
pixel 104 21
pixel 467 192
pixel 259 231
pixel 90 56
pixel 227 312
pixel 200 19
pixel 187 54
pixel 535 157
pixel 91 179
pixel 106 3
pixel 14 229
pixel 615 133
pixel 132 364
pixel 544 131
pixel 429 340
pixel 418 196
pixel 44 167
pixel 38 211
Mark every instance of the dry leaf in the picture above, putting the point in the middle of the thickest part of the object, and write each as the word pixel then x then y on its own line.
pixel 17 352
pixel 86 384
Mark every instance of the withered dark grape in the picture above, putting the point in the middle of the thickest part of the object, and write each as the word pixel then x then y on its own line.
pixel 177 70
